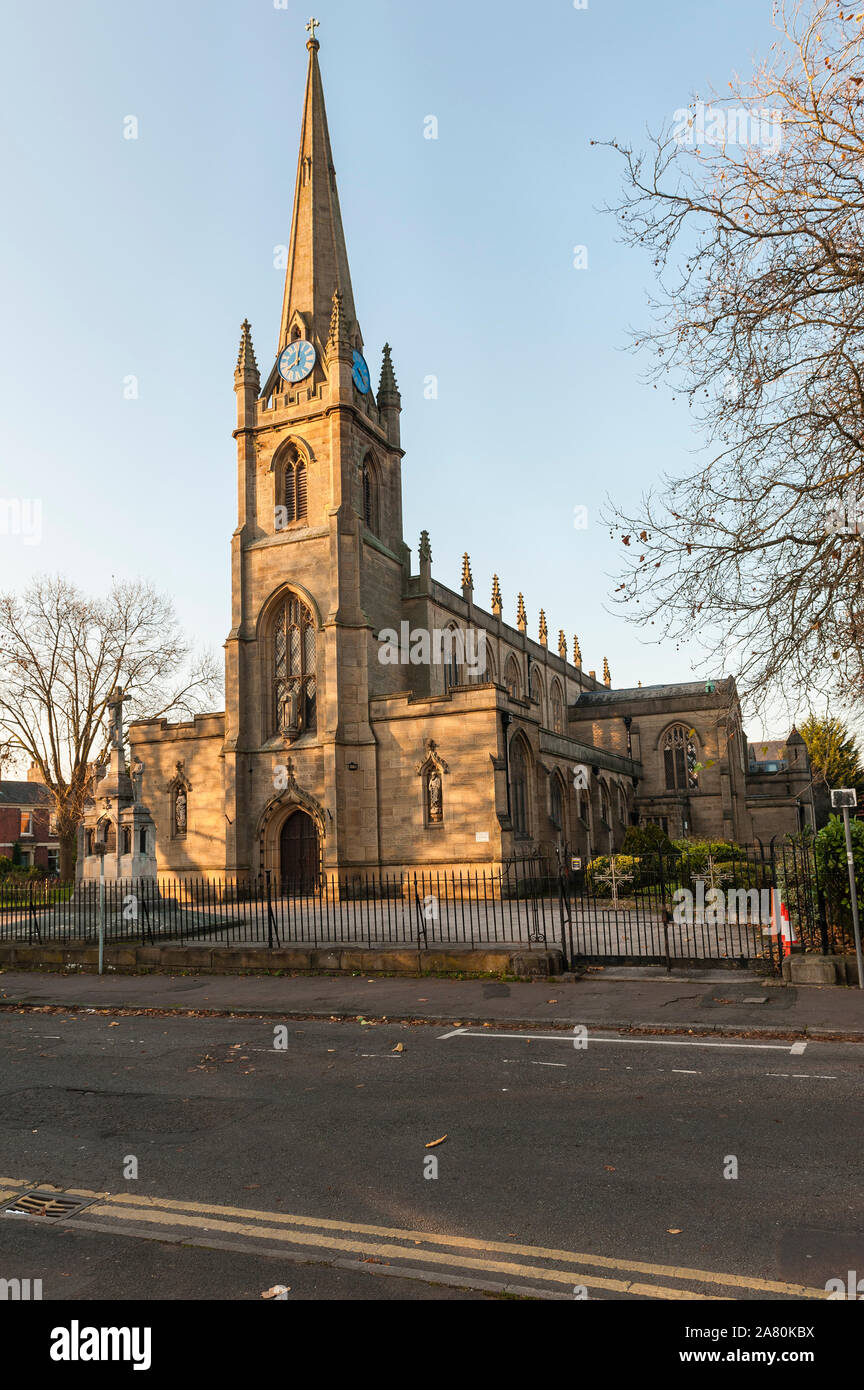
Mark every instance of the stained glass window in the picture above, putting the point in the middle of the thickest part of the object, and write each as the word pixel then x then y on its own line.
pixel 680 758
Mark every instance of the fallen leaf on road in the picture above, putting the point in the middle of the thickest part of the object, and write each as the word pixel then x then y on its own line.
pixel 673 1231
pixel 113 1025
pixel 400 1047
pixel 279 1291
pixel 611 1170
pixel 551 1001
pixel 438 1142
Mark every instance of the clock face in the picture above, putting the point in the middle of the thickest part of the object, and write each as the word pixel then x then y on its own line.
pixel 297 361
pixel 360 373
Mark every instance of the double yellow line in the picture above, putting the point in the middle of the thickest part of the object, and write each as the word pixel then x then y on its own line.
pixel 447 1251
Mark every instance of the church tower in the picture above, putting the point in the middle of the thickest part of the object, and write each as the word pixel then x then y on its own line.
pixel 319 563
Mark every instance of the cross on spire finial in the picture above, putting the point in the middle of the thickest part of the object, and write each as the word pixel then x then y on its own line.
pixel 312 26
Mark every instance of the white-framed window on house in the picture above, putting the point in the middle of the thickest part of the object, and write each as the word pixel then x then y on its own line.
pixel 26 823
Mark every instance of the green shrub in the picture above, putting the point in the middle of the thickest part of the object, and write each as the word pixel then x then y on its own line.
pixel 834 871
pixel 646 840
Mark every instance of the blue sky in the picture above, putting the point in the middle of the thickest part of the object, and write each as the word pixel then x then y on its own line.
pixel 122 258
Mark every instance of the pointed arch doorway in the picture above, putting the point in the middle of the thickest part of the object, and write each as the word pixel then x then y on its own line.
pixel 300 854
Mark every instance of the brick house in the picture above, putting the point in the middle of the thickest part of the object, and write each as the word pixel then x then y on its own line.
pixel 27 820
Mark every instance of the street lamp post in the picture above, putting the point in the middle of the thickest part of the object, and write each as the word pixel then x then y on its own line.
pixel 100 848
pixel 841 801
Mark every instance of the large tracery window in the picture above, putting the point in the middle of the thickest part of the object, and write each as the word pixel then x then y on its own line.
pixel 680 757
pixel 296 685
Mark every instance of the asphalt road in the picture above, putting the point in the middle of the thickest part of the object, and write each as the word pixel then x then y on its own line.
pixel 564 1172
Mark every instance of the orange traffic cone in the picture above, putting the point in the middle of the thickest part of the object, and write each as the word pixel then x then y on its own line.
pixel 783 927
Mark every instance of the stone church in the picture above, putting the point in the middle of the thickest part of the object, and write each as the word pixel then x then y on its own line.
pixel 375 718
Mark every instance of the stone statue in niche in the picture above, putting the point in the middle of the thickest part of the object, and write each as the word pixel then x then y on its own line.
pixel 435 794
pixel 180 811
pixel 291 712
pixel 137 779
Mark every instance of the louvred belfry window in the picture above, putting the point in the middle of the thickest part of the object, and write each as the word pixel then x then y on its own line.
pixel 294 500
pixel 296 685
pixel 680 758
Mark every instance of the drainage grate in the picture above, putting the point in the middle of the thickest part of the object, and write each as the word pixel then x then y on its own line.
pixel 45 1204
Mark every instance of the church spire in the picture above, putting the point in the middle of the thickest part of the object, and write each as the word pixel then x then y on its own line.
pixel 317 255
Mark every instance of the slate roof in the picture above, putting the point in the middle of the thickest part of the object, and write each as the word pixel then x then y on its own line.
pixel 686 690
pixel 24 794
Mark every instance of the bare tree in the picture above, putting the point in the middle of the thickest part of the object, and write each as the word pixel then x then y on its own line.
pixel 61 656
pixel 753 209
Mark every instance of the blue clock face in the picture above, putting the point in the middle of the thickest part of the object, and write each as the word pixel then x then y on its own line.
pixel 360 373
pixel 297 361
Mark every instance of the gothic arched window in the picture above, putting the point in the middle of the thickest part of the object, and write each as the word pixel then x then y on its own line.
pixel 680 758
pixel 557 709
pixel 450 652
pixel 519 787
pixel 556 801
pixel 370 494
pixel 605 813
pixel 537 692
pixel 295 675
pixel 622 805
pixel 294 504
pixel 511 679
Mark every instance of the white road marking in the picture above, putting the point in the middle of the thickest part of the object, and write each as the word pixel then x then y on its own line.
pixel 800 1076
pixel 676 1071
pixel 633 1042
pixel 799 1049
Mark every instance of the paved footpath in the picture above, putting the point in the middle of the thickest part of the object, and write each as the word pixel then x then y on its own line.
pixel 725 1002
